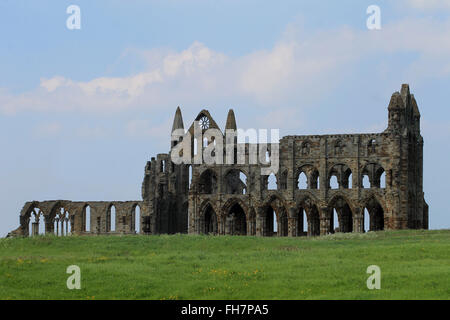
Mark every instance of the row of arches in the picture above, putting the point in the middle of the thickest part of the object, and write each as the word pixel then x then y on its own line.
pixel 61 221
pixel 340 176
pixel 273 219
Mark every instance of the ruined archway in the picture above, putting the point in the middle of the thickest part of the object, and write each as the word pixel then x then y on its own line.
pixel 236 221
pixel 375 214
pixel 207 183
pixel 275 219
pixel 373 176
pixel 209 221
pixel 235 182
pixel 62 224
pixel 307 217
pixel 86 227
pixel 339 177
pixel 36 224
pixel 340 206
pixel 307 177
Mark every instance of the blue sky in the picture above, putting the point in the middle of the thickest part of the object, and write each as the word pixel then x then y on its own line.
pixel 81 111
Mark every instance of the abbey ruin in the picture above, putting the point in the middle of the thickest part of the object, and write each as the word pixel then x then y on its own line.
pixel 324 184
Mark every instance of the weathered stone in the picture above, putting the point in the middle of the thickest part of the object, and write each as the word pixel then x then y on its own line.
pixel 201 198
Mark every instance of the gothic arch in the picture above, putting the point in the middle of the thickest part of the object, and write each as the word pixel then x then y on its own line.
pixel 235 220
pixel 307 206
pixel 374 171
pixel 208 182
pixel 376 213
pixel 342 172
pixel 231 202
pixel 274 207
pixel 345 213
pixel 312 176
pixel 208 219
pixel 233 183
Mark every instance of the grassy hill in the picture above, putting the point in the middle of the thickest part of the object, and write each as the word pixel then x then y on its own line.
pixel 414 265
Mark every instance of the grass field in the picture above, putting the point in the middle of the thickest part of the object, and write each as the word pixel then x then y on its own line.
pixel 414 265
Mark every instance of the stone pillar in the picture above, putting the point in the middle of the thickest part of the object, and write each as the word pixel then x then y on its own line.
pixel 292 223
pixel 57 226
pixel 325 221
pixel 34 228
pixel 358 220
pixel 259 223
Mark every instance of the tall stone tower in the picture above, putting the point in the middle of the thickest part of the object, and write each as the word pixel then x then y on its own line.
pixel 165 190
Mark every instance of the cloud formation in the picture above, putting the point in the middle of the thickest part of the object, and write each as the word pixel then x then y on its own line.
pixel 297 70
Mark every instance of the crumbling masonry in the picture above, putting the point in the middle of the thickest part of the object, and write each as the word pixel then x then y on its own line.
pixel 325 184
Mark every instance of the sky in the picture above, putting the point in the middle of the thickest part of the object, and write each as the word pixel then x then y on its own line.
pixel 82 110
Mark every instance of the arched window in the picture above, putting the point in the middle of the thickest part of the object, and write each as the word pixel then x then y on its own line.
pixel 341 216
pixel 208 182
pixel 111 219
pixel 366 181
pixel 87 218
pixel 302 181
pixel 335 221
pixel 350 181
pixel 270 222
pixel 383 180
pixel 235 182
pixel 271 182
pixel 308 177
pixel 195 147
pixel 37 223
pixel 236 222
pixel 190 178
pixel 209 221
pixel 372 147
pixel 366 220
pixel 334 182
pixel 373 216
pixel 137 219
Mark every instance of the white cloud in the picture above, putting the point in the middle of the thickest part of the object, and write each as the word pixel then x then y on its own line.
pixel 297 71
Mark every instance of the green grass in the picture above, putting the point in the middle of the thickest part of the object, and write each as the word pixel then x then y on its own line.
pixel 414 265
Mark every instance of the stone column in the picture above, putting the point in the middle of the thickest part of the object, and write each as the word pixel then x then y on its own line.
pixel 292 223
pixel 325 221
pixel 259 223
pixel 358 220
pixel 35 228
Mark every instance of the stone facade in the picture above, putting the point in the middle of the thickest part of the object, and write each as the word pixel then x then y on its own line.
pixel 377 173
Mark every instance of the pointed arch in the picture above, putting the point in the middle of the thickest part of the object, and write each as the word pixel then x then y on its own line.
pixel 235 181
pixel 308 219
pixel 344 213
pixel 208 220
pixel 275 217
pixel 236 220
pixel 307 177
pixel 375 214
pixel 207 182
